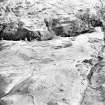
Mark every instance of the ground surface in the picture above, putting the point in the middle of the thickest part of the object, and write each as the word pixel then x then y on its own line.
pixel 52 72
pixel 48 72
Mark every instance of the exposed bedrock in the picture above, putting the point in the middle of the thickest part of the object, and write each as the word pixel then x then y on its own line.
pixel 96 76
pixel 73 27
pixel 95 93
pixel 54 28
pixel 18 34
pixel 21 33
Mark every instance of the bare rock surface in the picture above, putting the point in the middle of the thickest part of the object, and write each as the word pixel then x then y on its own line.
pixel 33 12
pixel 48 72
pixel 61 71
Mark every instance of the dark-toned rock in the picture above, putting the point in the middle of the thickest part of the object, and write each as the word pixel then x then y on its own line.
pixel 59 31
pixel 88 61
pixel 2 27
pixel 96 76
pixel 9 33
pixel 95 92
pixel 52 103
pixel 96 23
pixel 73 28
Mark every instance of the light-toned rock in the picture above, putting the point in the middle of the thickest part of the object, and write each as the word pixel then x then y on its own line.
pixel 39 73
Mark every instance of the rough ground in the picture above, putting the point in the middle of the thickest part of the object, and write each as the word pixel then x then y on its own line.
pixel 62 71
pixel 48 72
pixel 33 12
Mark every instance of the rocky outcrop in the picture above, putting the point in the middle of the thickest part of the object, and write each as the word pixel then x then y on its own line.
pixel 8 33
pixel 95 92
pixel 63 23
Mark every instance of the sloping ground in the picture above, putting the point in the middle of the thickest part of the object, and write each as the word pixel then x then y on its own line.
pixel 48 72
